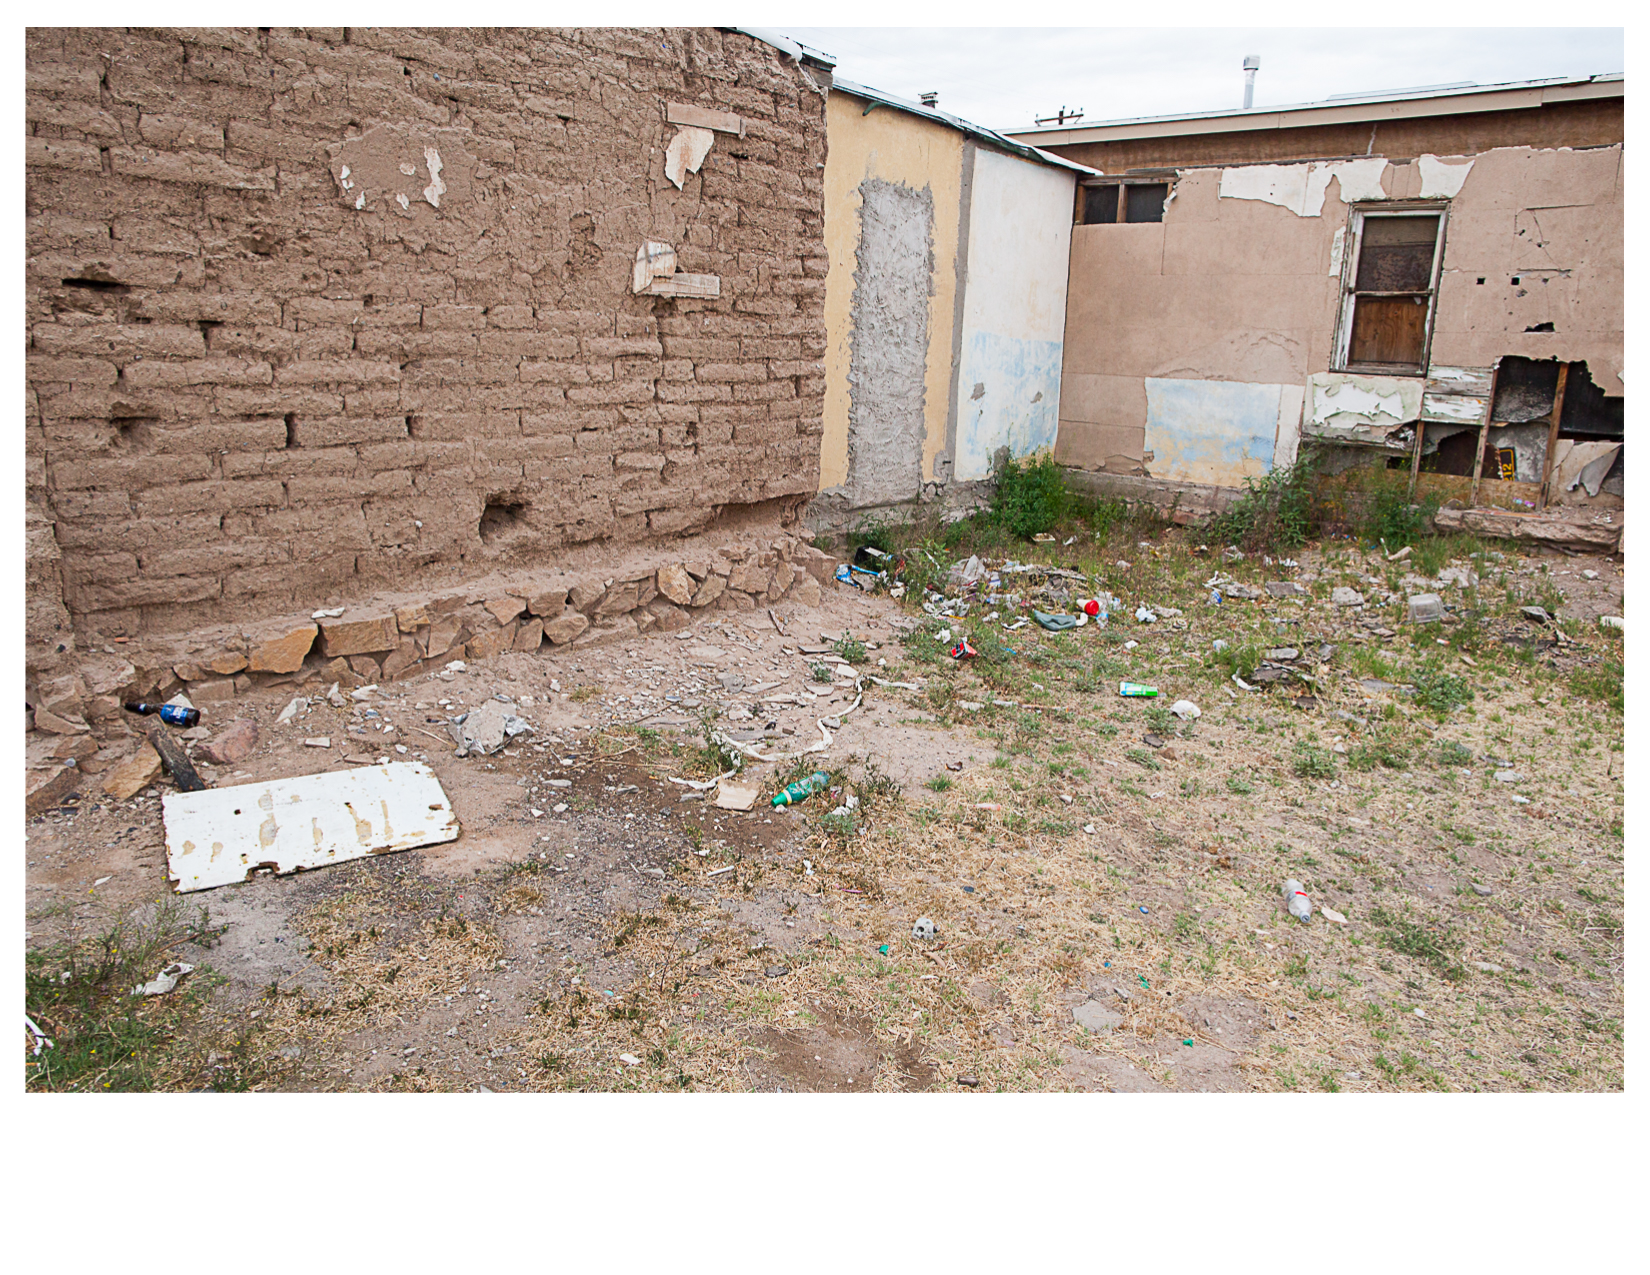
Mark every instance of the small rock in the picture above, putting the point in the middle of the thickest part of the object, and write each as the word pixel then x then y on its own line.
pixel 1538 614
pixel 1097 1018
pixel 1589 575
pixel 1482 891
pixel 969 1080
pixel 320 741
pixel 777 971
pixel 1486 967
pixel 1344 597
pixel 292 1051
pixel 132 775
pixel 1508 777
pixel 233 744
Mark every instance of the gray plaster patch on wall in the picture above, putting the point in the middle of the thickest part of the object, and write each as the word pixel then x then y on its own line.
pixel 888 368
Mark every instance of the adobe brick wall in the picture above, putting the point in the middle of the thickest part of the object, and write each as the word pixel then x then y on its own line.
pixel 259 384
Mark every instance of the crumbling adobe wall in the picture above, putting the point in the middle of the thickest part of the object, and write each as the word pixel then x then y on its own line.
pixel 313 314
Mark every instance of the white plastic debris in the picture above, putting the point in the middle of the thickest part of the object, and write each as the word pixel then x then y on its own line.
pixel 1185 709
pixel 1220 644
pixel 1144 615
pixel 41 1040
pixel 163 982
pixel 486 729
pixel 630 1060
pixel 1242 685
pixel 331 613
pixel 1300 907
pixel 1613 622
pixel 923 929
pixel 1329 914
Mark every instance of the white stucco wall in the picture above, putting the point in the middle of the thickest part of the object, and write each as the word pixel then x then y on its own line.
pixel 1014 310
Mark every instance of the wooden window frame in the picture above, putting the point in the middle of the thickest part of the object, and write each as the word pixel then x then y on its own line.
pixel 1089 183
pixel 1356 219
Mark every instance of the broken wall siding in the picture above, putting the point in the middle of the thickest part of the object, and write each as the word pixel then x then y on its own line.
pixel 1013 328
pixel 1241 282
pixel 897 149
pixel 258 382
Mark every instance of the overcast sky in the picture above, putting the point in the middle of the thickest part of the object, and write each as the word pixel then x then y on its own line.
pixel 1005 78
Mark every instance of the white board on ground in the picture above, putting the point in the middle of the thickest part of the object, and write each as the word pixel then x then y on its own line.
pixel 222 835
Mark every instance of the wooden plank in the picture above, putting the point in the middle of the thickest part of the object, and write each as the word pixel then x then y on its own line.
pixel 223 835
pixel 686 285
pixel 1459 380
pixel 1453 409
pixel 1483 434
pixel 704 117
pixel 175 760
pixel 1552 434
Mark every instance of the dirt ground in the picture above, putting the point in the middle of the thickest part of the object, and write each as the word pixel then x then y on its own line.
pixel 1104 877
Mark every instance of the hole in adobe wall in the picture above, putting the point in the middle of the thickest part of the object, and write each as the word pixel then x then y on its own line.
pixel 291 429
pixel 95 285
pixel 1539 327
pixel 503 518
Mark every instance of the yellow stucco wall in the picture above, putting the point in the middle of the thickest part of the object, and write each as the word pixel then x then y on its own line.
pixel 895 147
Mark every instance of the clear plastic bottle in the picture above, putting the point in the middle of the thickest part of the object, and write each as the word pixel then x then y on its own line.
pixel 802 789
pixel 1300 907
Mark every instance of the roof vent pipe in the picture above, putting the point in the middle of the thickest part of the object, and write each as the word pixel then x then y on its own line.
pixel 930 100
pixel 1251 64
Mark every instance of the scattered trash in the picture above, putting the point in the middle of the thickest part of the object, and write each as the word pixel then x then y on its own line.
pixel 1055 623
pixel 298 705
pixel 716 872
pixel 224 835
pixel 630 1060
pixel 737 796
pixel 963 651
pixel 1300 907
pixel 1136 690
pixel 454 666
pixel 1400 555
pixel 41 1040
pixel 486 729
pixel 1144 912
pixel 1242 685
pixel 1612 622
pixel 331 613
pixel 318 741
pixel 883 948
pixel 163 982
pixel 1520 801
pixel 171 714
pixel 968 1080
pixel 1329 914
pixel 1426 608
pixel 987 805
pixel 1508 777
pixel 1219 644
pixel 1187 1042
pixel 1144 615
pixel 176 761
pixel 1185 709
pixel 923 929
pixel 802 789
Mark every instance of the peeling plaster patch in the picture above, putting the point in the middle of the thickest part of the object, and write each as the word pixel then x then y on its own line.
pixel 407 170
pixel 1019 411
pixel 1360 407
pixel 1217 432
pixel 1440 180
pixel 1301 187
pixel 402 199
pixel 1336 250
pixel 1291 402
pixel 687 150
pixel 437 188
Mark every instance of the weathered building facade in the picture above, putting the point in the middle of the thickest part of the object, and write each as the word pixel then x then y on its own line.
pixel 317 314
pixel 944 305
pixel 1434 276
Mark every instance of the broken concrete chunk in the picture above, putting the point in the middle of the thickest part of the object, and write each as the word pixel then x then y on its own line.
pixel 134 774
pixel 294 706
pixel 233 744
pixel 675 583
pixel 1345 597
pixel 1097 1018
pixel 1276 589
pixel 487 729
pixel 367 635
pixel 284 653
pixel 1426 608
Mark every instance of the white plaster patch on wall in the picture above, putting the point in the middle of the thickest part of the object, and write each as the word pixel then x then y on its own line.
pixel 1301 187
pixel 1337 249
pixel 1440 180
pixel 686 152
pixel 1291 402
pixel 437 188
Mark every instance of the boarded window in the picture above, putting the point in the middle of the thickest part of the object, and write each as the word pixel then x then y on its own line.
pixel 1115 202
pixel 1389 300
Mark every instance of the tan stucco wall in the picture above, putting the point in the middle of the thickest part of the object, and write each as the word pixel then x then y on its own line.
pixel 895 147
pixel 1243 290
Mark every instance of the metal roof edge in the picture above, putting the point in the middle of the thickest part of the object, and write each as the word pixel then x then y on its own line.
pixel 1344 110
pixel 990 137
pixel 792 48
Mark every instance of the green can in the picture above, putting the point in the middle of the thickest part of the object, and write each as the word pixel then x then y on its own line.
pixel 1136 689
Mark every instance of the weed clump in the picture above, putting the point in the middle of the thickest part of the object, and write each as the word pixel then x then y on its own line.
pixel 1313 762
pixel 1274 511
pixel 1031 496
pixel 1441 692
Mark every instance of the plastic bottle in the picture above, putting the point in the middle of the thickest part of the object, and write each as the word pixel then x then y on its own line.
pixel 1300 907
pixel 172 714
pixel 1135 689
pixel 802 789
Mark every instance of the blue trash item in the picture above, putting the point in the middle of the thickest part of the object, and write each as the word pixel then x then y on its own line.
pixel 845 575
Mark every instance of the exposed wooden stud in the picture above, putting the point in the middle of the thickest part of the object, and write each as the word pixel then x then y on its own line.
pixel 1415 457
pixel 1552 435
pixel 1484 436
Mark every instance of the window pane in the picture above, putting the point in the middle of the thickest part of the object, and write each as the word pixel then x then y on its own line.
pixel 1389 330
pixel 1396 255
pixel 1146 202
pixel 1099 204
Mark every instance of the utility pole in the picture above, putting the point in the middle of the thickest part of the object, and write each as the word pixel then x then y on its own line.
pixel 1062 116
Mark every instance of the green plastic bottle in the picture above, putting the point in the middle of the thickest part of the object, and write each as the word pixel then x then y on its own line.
pixel 802 789
pixel 1132 689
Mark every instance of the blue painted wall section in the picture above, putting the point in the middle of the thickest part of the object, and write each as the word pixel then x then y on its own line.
pixel 1018 403
pixel 1218 432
